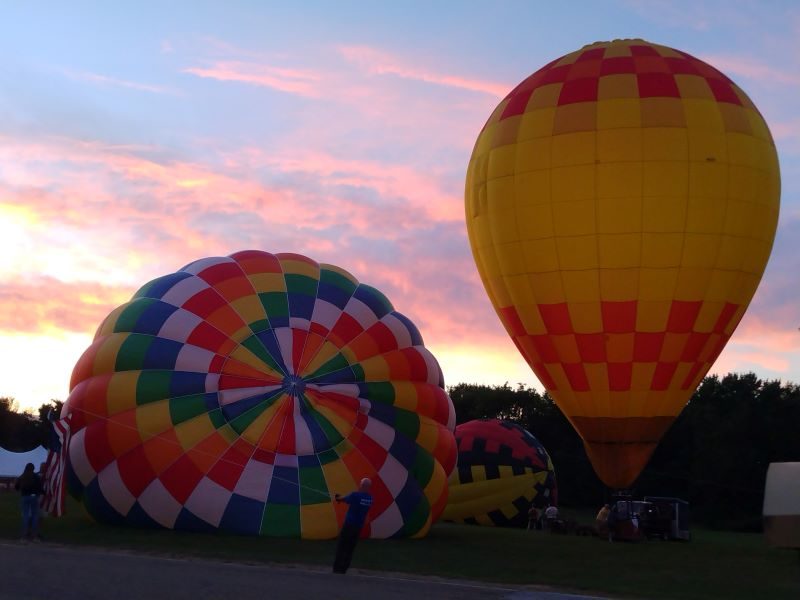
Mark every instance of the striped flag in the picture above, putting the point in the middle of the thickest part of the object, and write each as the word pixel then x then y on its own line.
pixel 54 489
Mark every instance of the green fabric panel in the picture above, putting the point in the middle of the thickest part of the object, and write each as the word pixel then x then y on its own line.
pixel 334 278
pixel 281 520
pixel 381 391
pixel 153 386
pixel 130 356
pixel 422 469
pixel 301 284
pixel 184 408
pixel 275 304
pixel 217 418
pixel 407 423
pixel 417 519
pixel 256 347
pixel 127 319
pixel 313 488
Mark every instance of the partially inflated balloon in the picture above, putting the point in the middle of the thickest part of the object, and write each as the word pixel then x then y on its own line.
pixel 502 470
pixel 240 393
pixel 621 205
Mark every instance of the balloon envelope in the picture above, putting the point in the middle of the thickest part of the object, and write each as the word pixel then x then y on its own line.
pixel 502 470
pixel 621 205
pixel 241 392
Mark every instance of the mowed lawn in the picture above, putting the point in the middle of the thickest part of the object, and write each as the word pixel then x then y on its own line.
pixel 712 565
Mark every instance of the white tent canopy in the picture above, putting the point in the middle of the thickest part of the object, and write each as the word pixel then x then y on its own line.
pixel 12 464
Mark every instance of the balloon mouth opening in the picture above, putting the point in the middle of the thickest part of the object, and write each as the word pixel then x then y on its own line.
pixel 294 385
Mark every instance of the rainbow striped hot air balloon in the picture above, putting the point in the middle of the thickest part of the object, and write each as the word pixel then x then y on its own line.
pixel 621 204
pixel 241 392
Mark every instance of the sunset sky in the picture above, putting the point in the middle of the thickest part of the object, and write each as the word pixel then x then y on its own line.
pixel 135 140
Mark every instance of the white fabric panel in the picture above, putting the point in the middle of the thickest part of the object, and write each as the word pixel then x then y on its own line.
pixel 380 432
pixel 236 394
pixel 299 323
pixel 212 382
pixel 114 489
pixel 194 359
pixel 286 460
pixel 203 263
pixel 431 363
pixel 183 290
pixel 255 480
pixel 325 313
pixel 285 341
pixel 360 312
pixel 208 501
pixel 179 325
pixel 398 329
pixel 159 504
pixel 387 523
pixel 78 458
pixel 303 442
pixel 394 475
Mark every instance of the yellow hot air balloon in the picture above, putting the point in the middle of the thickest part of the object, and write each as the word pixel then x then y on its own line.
pixel 621 204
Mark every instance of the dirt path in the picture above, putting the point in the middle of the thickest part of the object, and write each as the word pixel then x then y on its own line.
pixel 46 571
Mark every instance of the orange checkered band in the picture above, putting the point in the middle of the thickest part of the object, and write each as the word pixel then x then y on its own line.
pixel 621 205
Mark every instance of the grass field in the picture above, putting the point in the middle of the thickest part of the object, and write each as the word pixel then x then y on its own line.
pixel 713 565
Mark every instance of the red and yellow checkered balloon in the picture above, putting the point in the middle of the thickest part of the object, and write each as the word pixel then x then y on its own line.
pixel 621 205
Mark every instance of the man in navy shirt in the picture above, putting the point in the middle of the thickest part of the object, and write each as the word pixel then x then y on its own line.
pixel 359 502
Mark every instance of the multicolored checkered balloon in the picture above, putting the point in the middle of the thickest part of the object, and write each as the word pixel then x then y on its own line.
pixel 502 471
pixel 621 205
pixel 240 393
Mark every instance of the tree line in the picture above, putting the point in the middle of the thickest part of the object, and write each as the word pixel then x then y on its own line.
pixel 715 455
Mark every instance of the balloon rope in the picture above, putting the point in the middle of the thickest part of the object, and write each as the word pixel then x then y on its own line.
pixel 203 453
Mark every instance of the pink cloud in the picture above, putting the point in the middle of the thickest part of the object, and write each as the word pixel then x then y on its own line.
pixel 113 81
pixel 40 304
pixel 293 81
pixel 376 62
pixel 740 66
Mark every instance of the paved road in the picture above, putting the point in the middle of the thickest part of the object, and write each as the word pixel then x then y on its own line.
pixel 46 571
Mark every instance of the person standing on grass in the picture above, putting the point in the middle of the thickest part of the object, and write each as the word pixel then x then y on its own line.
pixel 29 485
pixel 360 503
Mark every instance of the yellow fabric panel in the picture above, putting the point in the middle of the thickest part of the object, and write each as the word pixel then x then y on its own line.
pixel 642 376
pixel 121 393
pixel 619 285
pixel 256 429
pixel 106 357
pixel 511 258
pixel 619 215
pixel 619 113
pixel 577 252
pixel 703 114
pixel 619 180
pixel 619 145
pixel 537 256
pixel 500 195
pixel 249 308
pixel 533 154
pixel 665 178
pixel 708 179
pixel 504 226
pixel 108 324
pixel 652 315
pixel 622 85
pixel 662 112
pixel 505 132
pixel 662 250
pixel 581 286
pixel 429 433
pixel 665 144
pixel 537 124
pixel 519 290
pixel 532 189
pixel 692 283
pixel 318 521
pixel 664 214
pixel 619 347
pixel 573 183
pixel 566 347
pixel 153 418
pixel 619 250
pixel 268 282
pixel 571 149
pixel 707 146
pixel 243 355
pixel 299 267
pixel 586 317
pixel 694 86
pixel 548 287
pixel 575 217
pixel 545 96
pixel 193 431
pixel 502 161
pixel 706 214
pixel 700 250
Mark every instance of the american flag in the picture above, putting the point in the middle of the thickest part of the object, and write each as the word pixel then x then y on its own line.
pixel 54 489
